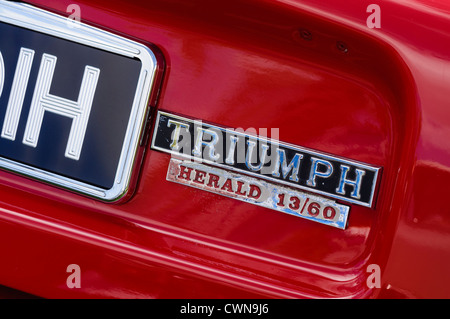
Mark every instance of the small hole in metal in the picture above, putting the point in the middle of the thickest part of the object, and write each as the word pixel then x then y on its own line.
pixel 342 46
pixel 306 35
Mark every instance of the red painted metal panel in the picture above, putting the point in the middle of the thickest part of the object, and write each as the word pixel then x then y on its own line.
pixel 372 95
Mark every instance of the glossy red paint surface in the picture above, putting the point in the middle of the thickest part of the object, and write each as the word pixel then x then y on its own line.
pixel 244 64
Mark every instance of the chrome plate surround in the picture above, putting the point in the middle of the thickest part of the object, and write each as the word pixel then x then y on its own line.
pixel 269 159
pixel 30 18
pixel 258 192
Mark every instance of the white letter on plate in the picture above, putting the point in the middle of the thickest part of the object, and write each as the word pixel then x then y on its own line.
pixel 2 73
pixel 78 111
pixel 17 95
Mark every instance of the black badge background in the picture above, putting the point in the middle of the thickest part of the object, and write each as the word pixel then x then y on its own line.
pixel 163 139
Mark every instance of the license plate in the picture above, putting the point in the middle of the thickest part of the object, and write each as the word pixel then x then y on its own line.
pixel 73 101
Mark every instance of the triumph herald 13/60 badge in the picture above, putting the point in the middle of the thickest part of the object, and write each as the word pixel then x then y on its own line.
pixel 268 163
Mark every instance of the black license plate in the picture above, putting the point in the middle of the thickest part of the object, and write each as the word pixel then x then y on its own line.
pixel 73 101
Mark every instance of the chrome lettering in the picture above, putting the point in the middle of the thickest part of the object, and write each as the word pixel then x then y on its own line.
pixel 199 142
pixel 356 184
pixel 294 165
pixel 248 157
pixel 230 158
pixel 314 172
pixel 176 133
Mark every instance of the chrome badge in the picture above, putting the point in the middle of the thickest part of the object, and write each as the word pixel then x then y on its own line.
pixel 269 164
pixel 258 192
pixel 73 101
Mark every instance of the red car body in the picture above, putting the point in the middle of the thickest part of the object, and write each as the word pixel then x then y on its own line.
pixel 317 72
